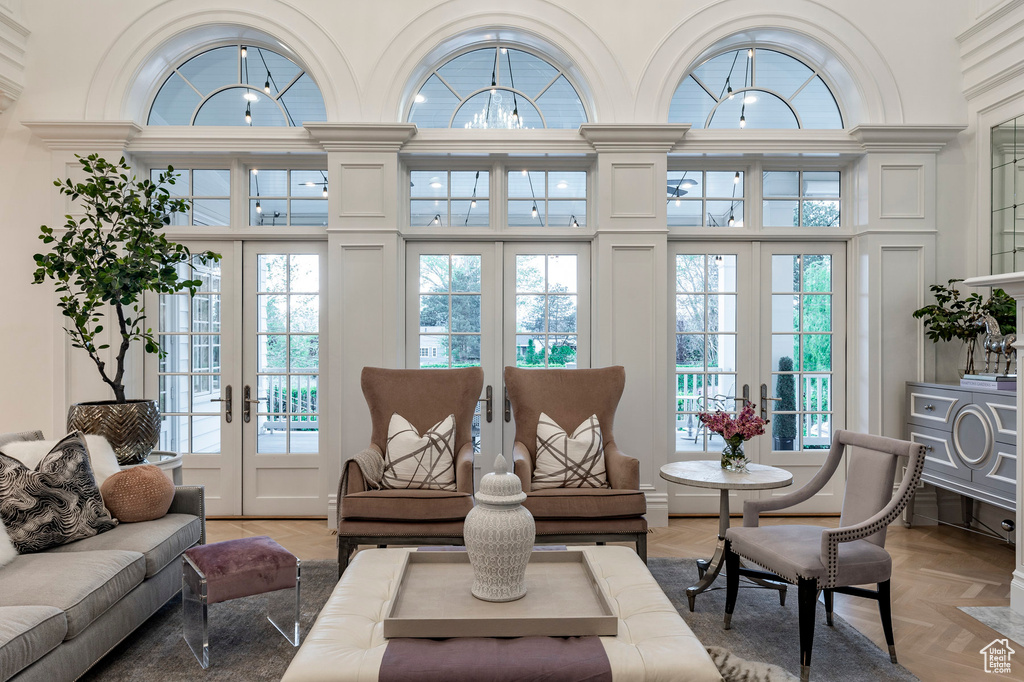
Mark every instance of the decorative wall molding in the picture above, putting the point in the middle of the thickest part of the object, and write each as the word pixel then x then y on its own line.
pixel 992 50
pixel 13 41
pixel 462 141
pixel 173 139
pixel 362 137
pixel 84 135
pixel 905 139
pixel 639 138
pixel 902 191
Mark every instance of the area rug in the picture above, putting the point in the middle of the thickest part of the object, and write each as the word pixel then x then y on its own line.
pixel 762 630
pixel 244 647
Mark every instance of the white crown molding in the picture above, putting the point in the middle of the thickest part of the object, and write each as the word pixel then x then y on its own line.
pixel 638 138
pixel 84 135
pixel 715 141
pixel 363 137
pixel 13 42
pixel 905 139
pixel 990 50
pixel 240 139
pixel 992 20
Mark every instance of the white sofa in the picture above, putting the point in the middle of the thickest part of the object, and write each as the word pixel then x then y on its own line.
pixel 63 609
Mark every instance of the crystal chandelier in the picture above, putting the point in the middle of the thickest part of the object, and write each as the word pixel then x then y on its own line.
pixel 497 114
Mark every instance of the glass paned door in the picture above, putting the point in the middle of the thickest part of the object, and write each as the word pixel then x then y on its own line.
pixel 199 368
pixel 452 304
pixel 285 327
pixel 803 361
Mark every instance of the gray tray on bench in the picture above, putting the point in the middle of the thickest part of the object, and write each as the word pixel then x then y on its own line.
pixel 563 599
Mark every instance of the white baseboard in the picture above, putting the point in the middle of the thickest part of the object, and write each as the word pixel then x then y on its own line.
pixel 657 507
pixel 332 512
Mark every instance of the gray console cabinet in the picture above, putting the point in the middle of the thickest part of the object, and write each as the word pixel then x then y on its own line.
pixel 970 439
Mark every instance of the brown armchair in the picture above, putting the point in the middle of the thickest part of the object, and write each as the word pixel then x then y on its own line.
pixel 569 396
pixel 410 516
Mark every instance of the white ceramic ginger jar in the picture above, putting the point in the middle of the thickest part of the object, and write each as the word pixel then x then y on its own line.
pixel 499 533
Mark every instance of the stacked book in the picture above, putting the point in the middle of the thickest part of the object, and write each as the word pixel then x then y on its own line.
pixel 999 382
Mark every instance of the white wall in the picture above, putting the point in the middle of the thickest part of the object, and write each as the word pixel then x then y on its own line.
pixel 82 60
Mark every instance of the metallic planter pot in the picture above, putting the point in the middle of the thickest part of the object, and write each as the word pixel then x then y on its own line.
pixel 133 428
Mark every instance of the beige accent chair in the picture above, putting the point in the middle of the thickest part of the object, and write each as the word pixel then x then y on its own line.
pixel 569 396
pixel 830 559
pixel 369 516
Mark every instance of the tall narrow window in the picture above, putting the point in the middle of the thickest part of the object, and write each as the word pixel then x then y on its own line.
pixel 546 307
pixel 238 85
pixel 755 88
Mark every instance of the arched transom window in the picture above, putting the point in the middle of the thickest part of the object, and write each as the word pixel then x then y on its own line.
pixel 755 88
pixel 238 85
pixel 497 87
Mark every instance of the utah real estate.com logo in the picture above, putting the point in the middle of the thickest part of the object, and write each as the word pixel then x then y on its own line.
pixel 997 656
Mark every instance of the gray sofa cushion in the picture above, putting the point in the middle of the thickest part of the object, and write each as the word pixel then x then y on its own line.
pixel 793 552
pixel 83 588
pixel 16 436
pixel 27 633
pixel 159 541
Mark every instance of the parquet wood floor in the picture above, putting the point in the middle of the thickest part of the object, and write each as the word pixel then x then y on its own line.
pixel 935 569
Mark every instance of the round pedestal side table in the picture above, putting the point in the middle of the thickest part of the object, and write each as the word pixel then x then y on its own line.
pixel 710 474
pixel 168 462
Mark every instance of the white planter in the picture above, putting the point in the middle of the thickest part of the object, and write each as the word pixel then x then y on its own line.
pixel 499 533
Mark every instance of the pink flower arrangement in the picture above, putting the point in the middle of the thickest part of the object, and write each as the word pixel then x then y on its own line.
pixel 735 430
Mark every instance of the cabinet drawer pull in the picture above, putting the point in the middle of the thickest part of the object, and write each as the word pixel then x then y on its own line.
pixel 929 407
pixel 929 448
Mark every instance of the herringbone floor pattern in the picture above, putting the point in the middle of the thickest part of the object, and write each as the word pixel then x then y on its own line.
pixel 935 570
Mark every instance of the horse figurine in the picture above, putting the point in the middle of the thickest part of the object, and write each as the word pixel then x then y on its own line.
pixel 996 342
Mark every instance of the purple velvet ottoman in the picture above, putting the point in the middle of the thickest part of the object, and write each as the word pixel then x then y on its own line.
pixel 233 569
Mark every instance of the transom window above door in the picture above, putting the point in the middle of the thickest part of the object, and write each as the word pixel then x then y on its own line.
pixel 752 87
pixel 705 198
pixel 547 198
pixel 497 86
pixel 287 197
pixel 238 85
pixel 449 198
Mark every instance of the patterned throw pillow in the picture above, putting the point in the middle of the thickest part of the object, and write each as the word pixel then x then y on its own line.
pixel 415 461
pixel 55 503
pixel 565 461
pixel 7 550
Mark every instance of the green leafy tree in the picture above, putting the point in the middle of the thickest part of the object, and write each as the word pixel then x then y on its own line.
pixel 113 255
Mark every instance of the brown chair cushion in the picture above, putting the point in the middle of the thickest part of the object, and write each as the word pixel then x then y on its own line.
pixel 142 493
pixel 407 504
pixel 243 567
pixel 585 503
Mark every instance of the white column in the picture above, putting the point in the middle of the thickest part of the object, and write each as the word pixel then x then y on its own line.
pixel 1013 284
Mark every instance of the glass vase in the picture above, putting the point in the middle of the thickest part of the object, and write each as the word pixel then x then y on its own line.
pixel 733 458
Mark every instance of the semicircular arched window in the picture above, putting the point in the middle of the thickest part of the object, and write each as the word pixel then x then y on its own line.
pixel 755 88
pixel 497 87
pixel 238 85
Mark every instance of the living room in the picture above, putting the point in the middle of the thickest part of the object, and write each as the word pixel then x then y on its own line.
pixel 740 205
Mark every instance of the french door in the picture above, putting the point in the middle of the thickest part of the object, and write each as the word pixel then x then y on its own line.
pixel 493 304
pixel 239 386
pixel 764 322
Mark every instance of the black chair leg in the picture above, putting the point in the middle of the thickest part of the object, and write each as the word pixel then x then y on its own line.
pixel 807 597
pixel 885 611
pixel 641 546
pixel 828 606
pixel 732 582
pixel 344 553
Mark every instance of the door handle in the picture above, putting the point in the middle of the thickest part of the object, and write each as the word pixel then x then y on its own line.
pixel 247 401
pixel 764 401
pixel 489 400
pixel 508 407
pixel 225 399
pixel 745 397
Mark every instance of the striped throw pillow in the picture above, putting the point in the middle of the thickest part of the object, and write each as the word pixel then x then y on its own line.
pixel 565 461
pixel 420 461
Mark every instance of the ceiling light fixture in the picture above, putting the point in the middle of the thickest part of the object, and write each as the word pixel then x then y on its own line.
pixel 533 213
pixel 562 185
pixel 251 96
pixel 732 220
pixel 436 220
pixel 244 52
pixel 750 53
pixel 436 185
pixel 736 178
pixel 472 204
pixel 573 222
pixel 266 85
pixel 248 115
pixel 750 99
pixel 259 209
pixel 419 98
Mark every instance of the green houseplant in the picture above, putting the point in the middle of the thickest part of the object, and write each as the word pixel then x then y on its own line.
pixel 952 317
pixel 110 256
pixel 784 428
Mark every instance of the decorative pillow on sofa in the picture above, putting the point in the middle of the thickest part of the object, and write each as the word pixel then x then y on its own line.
pixel 415 461
pixel 56 503
pixel 101 454
pixel 7 549
pixel 565 461
pixel 141 493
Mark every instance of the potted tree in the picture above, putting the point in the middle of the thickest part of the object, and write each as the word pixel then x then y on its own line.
pixel 111 256
pixel 952 317
pixel 784 427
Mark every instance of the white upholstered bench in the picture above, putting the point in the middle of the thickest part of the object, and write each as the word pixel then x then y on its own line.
pixel 653 644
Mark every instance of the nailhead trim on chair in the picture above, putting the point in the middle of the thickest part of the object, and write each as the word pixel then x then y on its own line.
pixel 834 537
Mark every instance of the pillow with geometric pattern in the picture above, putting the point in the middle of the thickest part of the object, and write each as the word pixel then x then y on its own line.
pixel 565 461
pixel 55 503
pixel 420 461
